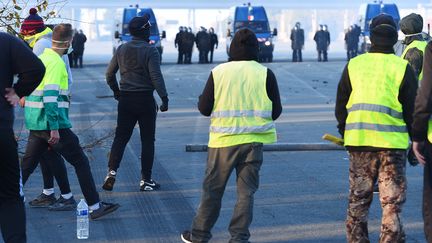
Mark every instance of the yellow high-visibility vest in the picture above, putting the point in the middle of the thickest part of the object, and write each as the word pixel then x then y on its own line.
pixel 375 116
pixel 242 111
pixel 421 45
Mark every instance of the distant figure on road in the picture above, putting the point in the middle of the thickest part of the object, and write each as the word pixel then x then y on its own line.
pixel 78 48
pixel 213 43
pixel 15 59
pixel 376 124
pixel 322 39
pixel 297 42
pixel 139 65
pixel 179 44
pixel 203 43
pixel 242 119
pixel 189 40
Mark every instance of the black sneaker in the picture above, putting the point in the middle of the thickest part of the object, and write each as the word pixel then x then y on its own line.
pixel 186 236
pixel 43 201
pixel 149 185
pixel 104 209
pixel 109 180
pixel 63 204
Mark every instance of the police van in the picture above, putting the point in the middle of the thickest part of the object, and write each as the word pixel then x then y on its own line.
pixel 367 12
pixel 122 35
pixel 255 19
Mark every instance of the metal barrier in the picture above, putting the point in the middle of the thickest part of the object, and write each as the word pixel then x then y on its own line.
pixel 278 147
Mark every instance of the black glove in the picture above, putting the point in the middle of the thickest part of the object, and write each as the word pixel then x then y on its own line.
pixel 117 94
pixel 164 106
pixel 412 159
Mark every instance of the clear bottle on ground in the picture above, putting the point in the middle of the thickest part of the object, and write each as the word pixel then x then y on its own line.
pixel 82 220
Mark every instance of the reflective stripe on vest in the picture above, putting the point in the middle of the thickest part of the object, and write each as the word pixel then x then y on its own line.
pixel 420 45
pixel 375 116
pixel 242 110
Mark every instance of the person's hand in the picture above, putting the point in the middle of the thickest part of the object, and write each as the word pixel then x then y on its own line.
pixel 54 137
pixel 216 46
pixel 11 96
pixel 22 102
pixel 164 106
pixel 117 95
pixel 418 148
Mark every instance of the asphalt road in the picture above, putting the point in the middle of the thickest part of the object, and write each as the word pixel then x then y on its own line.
pixel 302 196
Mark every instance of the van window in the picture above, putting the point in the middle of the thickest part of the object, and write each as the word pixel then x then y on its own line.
pixel 255 26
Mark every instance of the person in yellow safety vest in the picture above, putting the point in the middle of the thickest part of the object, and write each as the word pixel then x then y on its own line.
pixel 412 26
pixel 422 137
pixel 47 118
pixel 374 107
pixel 242 98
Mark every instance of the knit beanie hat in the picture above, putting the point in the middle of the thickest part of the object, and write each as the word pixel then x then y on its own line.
pixel 411 24
pixel 244 46
pixel 383 30
pixel 140 27
pixel 33 24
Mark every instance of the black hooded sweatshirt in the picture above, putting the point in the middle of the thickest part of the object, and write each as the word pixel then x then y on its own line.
pixel 407 95
pixel 206 99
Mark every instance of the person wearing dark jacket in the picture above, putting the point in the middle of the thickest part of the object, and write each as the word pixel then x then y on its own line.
pixel 140 72
pixel 188 40
pixel 374 107
pixel 412 26
pixel 422 137
pixel 213 43
pixel 239 127
pixel 297 42
pixel 15 58
pixel 203 43
pixel 78 42
pixel 179 44
pixel 322 39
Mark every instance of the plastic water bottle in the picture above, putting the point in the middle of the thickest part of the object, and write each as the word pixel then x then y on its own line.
pixel 82 220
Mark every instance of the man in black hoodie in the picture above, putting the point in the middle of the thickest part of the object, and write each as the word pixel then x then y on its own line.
pixel 239 127
pixel 15 58
pixel 139 64
pixel 374 106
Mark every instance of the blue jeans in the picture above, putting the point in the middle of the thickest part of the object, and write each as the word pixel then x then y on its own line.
pixel 246 159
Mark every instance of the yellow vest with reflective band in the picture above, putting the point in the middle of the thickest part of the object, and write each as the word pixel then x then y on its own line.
pixel 32 39
pixel 421 45
pixel 47 107
pixel 375 116
pixel 242 111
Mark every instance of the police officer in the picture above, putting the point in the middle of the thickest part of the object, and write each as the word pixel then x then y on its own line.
pixel 412 26
pixel 375 123
pixel 297 42
pixel 188 40
pixel 202 40
pixel 178 43
pixel 322 39
pixel 213 43
pixel 243 115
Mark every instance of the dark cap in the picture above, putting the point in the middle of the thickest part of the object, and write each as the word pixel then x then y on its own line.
pixel 244 46
pixel 383 30
pixel 140 26
pixel 411 24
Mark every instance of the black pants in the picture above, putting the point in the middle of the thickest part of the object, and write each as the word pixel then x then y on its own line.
pixel 70 149
pixel 135 107
pixel 78 58
pixel 180 57
pixel 322 55
pixel 297 55
pixel 211 54
pixel 52 166
pixel 12 212
pixel 427 194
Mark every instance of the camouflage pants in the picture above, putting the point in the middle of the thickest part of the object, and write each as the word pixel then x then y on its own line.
pixel 365 168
